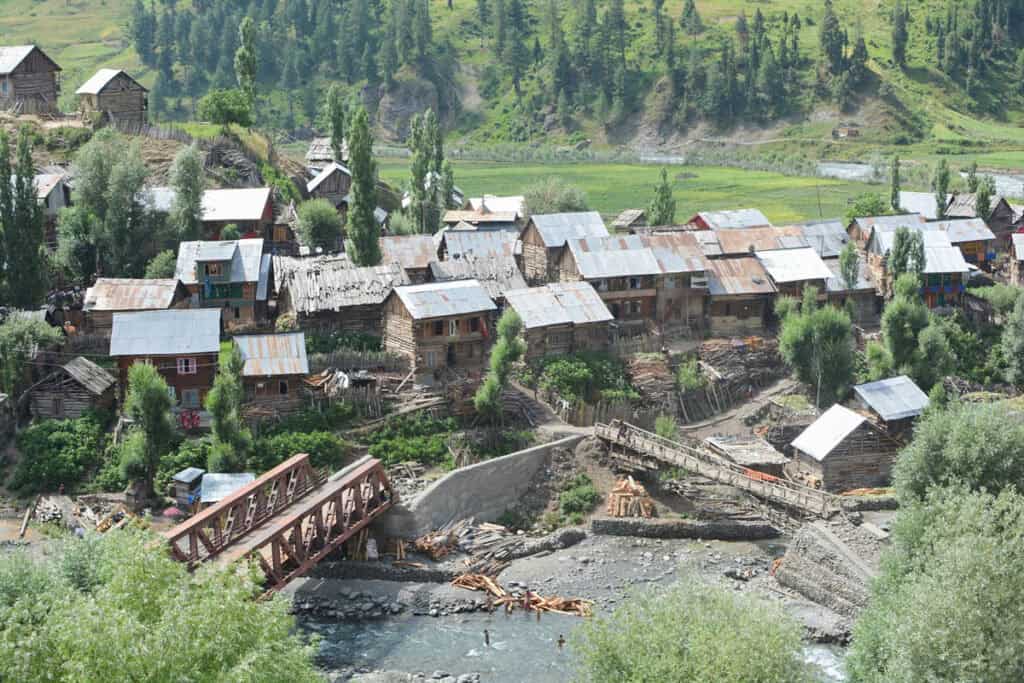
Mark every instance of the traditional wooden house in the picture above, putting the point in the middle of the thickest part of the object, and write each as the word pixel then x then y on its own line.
pixel 734 219
pixel 945 270
pixel 791 270
pixel 413 252
pixel 456 244
pixel 976 242
pixel 233 276
pixel 842 451
pixel 332 183
pixel 330 293
pixel 860 228
pixel 115 96
pixel 740 296
pixel 123 295
pixel 561 318
pixel 250 209
pixel 512 204
pixel 53 194
pixel 440 325
pixel 1003 219
pixel 29 80
pixel 860 296
pixel 183 345
pixel 745 241
pixel 1017 259
pixel 273 368
pixel 544 237
pixel 629 220
pixel 76 387
pixel 462 219
pixel 922 203
pixel 496 274
pixel 897 402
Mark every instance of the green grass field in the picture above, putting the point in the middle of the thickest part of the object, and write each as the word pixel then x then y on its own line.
pixel 612 188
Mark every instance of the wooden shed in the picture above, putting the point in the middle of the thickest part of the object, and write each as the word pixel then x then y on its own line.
pixel 843 450
pixel 79 385
pixel 274 366
pixel 332 183
pixel 115 96
pixel 29 80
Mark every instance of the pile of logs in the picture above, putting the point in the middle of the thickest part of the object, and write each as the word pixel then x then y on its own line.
pixel 490 546
pixel 653 378
pixel 529 601
pixel 629 499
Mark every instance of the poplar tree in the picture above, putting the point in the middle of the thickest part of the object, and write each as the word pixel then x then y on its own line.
pixel 363 232
pixel 663 209
pixel 336 120
pixel 6 206
pixel 940 185
pixel 420 146
pixel 983 197
pixel 23 227
pixel 972 177
pixel 187 180
pixel 894 184
pixel 245 60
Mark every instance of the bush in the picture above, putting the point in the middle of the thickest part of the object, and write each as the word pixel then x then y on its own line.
pixel 689 377
pixel 420 437
pixel 325 450
pixel 190 453
pixel 586 377
pixel 665 426
pixel 335 416
pixel 327 342
pixel 579 497
pixel 55 452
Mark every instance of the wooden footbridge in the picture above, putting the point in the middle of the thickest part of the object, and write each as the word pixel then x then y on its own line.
pixel 287 520
pixel 650 451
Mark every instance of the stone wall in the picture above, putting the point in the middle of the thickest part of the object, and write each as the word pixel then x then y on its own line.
pixel 482 491
pixel 722 530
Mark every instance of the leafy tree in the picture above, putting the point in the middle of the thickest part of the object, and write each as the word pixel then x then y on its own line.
pixel 226 107
pixel 972 177
pixel 230 232
pixel 1013 344
pixel 902 322
pixel 691 632
pixel 964 547
pixel 245 61
pixel 907 253
pixel 817 344
pixel 21 224
pixel 983 199
pixel 868 204
pixel 162 265
pixel 666 427
pixel 899 35
pixel 19 338
pixel 187 181
pixel 690 19
pixel 363 231
pixel 319 225
pixel 663 208
pixel 232 440
pixel 554 195
pixel 849 265
pixel 508 349
pixel 126 227
pixel 56 452
pixel 336 115
pixel 935 356
pixel 894 184
pixel 940 186
pixel 149 405
pixel 114 606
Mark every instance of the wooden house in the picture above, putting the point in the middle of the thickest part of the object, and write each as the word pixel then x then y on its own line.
pixel 734 219
pixel 274 366
pixel 843 450
pixel 496 274
pixel 249 209
pixel 124 295
pixel 740 297
pixel 332 183
pixel 544 236
pixel 860 297
pixel 456 244
pixel 232 275
pixel 115 96
pixel 945 270
pixel 183 345
pixel 791 270
pixel 29 80
pixel 440 325
pixel 1002 218
pixel 860 228
pixel 76 387
pixel 974 239
pixel 1017 259
pixel 629 220
pixel 330 293
pixel 896 401
pixel 462 219
pixel 500 204
pixel 561 318
pixel 53 193
pixel 413 252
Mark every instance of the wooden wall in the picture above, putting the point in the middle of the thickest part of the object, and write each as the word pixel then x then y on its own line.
pixel 535 258
pixel 201 381
pixel 62 398
pixel 737 316
pixel 863 459
pixel 33 86
pixel 122 100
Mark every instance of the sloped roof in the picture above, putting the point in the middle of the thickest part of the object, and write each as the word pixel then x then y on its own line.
pixel 331 283
pixel 482 243
pixel 741 241
pixel 100 80
pixel 794 265
pixel 327 172
pixel 320 150
pixel 966 230
pixel 865 223
pixel 965 205
pixel 411 251
pixel 91 376
pixel 628 218
pixel 734 219
pixel 625 255
pixel 243 204
pixel 557 228
pixel 558 303
pixel 126 294
pixel 219 485
pixel 738 276
pixel 922 203
pixel 245 256
pixel 11 56
pixel 944 260
pixel 444 299
pixel 479 218
pixel 497 274
pixel 836 282
pixel 883 236
pixel 271 355
pixel 827 432
pixel 895 398
pixel 827 237
pixel 509 204
pixel 166 333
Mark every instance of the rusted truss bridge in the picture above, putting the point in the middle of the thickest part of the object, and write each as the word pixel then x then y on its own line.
pixel 287 520
pixel 648 451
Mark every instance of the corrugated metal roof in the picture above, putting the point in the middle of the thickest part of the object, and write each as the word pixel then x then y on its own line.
pixel 708 241
pixel 1018 245
pixel 246 257
pixel 734 219
pixel 865 223
pixel 557 228
pixel 511 204
pixel 738 276
pixel 628 217
pixel 125 294
pixel 273 355
pixel 558 303
pixel 895 398
pixel 836 282
pixel 944 260
pixel 326 173
pixel 188 475
pixel 966 230
pixel 410 251
pixel 742 241
pixel 99 81
pixel 827 432
pixel 497 274
pixel 482 243
pixel 625 255
pixel 883 236
pixel 794 265
pixel 243 204
pixel 677 252
pixel 263 284
pixel 91 376
pixel 332 283
pixel 826 237
pixel 220 485
pixel 444 299
pixel 13 55
pixel 166 333
pixel 477 217
pixel 922 203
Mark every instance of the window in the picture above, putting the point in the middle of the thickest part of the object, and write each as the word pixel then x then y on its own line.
pixel 282 387
pixel 3 86
pixel 190 398
pixel 474 324
pixel 438 329
pixel 633 307
pixel 238 313
pixel 58 406
pixel 453 328
pixel 186 366
pixel 431 359
pixel 728 309
pixel 213 269
pixel 634 283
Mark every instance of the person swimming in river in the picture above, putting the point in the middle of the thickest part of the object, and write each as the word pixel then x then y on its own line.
pixel 487 638
pixel 561 641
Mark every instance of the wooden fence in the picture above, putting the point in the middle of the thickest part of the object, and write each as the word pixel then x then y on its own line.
pixel 153 131
pixel 347 360
pixel 366 400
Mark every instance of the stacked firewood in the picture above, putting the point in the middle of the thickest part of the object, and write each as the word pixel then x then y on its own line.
pixel 529 601
pixel 629 499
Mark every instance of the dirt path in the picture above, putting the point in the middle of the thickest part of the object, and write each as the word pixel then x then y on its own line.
pixel 544 417
pixel 731 421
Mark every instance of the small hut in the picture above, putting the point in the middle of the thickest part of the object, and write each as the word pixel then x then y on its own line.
pixel 77 386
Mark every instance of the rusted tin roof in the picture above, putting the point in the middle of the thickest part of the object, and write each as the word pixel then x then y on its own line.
pixel 738 276
pixel 558 303
pixel 273 355
pixel 410 251
pixel 126 294
pixel 444 299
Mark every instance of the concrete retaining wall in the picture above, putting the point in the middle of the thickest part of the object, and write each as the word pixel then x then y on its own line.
pixel 723 530
pixel 482 491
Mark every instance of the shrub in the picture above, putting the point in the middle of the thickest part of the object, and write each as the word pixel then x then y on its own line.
pixel 665 426
pixel 586 377
pixel 190 453
pixel 689 376
pixel 335 416
pixel 413 437
pixel 579 497
pixel 326 342
pixel 325 450
pixel 55 452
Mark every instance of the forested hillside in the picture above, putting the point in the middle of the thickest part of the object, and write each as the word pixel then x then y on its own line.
pixel 641 72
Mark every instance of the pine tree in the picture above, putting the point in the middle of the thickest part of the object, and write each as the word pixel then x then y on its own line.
pixel 363 232
pixel 500 17
pixel 894 184
pixel 422 32
pixel 831 40
pixel 690 19
pixel 245 61
pixel 618 29
pixel 6 206
pixel 899 35
pixel 143 32
pixel 23 229
pixel 662 210
pixel 940 186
